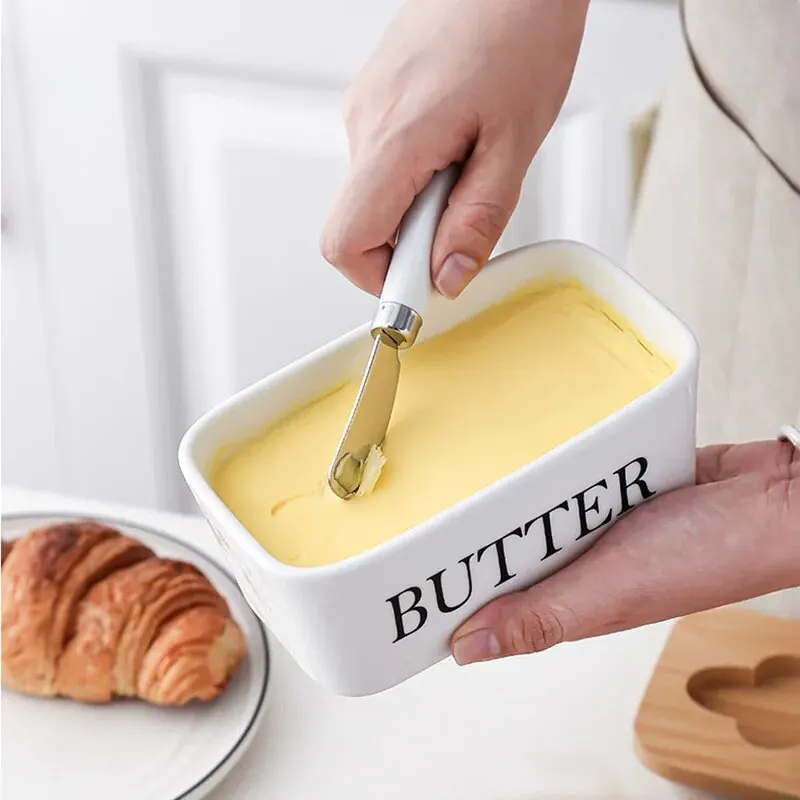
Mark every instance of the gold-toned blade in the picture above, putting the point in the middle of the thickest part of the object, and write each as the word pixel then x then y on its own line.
pixel 369 418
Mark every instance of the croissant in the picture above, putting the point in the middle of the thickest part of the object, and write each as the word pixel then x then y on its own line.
pixel 91 614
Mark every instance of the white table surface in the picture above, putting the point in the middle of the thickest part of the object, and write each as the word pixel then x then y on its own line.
pixel 554 725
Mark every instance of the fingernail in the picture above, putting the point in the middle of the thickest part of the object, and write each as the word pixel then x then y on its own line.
pixel 456 272
pixel 478 645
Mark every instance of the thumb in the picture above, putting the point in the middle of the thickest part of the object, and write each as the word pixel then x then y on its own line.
pixel 478 211
pixel 518 623
pixel 571 604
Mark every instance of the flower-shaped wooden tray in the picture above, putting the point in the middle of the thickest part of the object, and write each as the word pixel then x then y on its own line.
pixel 722 710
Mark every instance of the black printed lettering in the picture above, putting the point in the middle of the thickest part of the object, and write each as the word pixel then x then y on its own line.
pixel 625 484
pixel 500 546
pixel 416 606
pixel 436 580
pixel 584 509
pixel 547 528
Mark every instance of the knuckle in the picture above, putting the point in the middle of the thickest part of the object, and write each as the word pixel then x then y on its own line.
pixel 486 219
pixel 360 107
pixel 783 484
pixel 350 105
pixel 535 630
pixel 334 248
pixel 781 496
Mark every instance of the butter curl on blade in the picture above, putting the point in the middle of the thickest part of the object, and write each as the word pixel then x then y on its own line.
pixel 371 471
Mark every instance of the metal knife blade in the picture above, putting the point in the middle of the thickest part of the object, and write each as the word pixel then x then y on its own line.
pixel 404 298
pixel 369 418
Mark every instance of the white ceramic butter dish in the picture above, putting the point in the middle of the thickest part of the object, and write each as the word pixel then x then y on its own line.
pixel 362 625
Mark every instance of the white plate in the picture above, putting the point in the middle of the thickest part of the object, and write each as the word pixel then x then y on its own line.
pixel 128 749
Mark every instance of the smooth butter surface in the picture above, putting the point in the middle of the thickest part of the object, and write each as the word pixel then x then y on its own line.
pixel 473 405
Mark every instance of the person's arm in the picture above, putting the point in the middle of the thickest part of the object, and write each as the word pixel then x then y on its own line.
pixel 479 81
pixel 733 536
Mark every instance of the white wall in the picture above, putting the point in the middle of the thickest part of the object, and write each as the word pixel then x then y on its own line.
pixel 172 165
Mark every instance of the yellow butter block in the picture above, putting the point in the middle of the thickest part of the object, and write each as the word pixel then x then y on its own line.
pixel 474 405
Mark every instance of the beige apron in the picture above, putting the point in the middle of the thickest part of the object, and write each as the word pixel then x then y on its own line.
pixel 717 229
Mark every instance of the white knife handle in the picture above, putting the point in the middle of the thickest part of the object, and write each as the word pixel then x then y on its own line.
pixel 408 281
